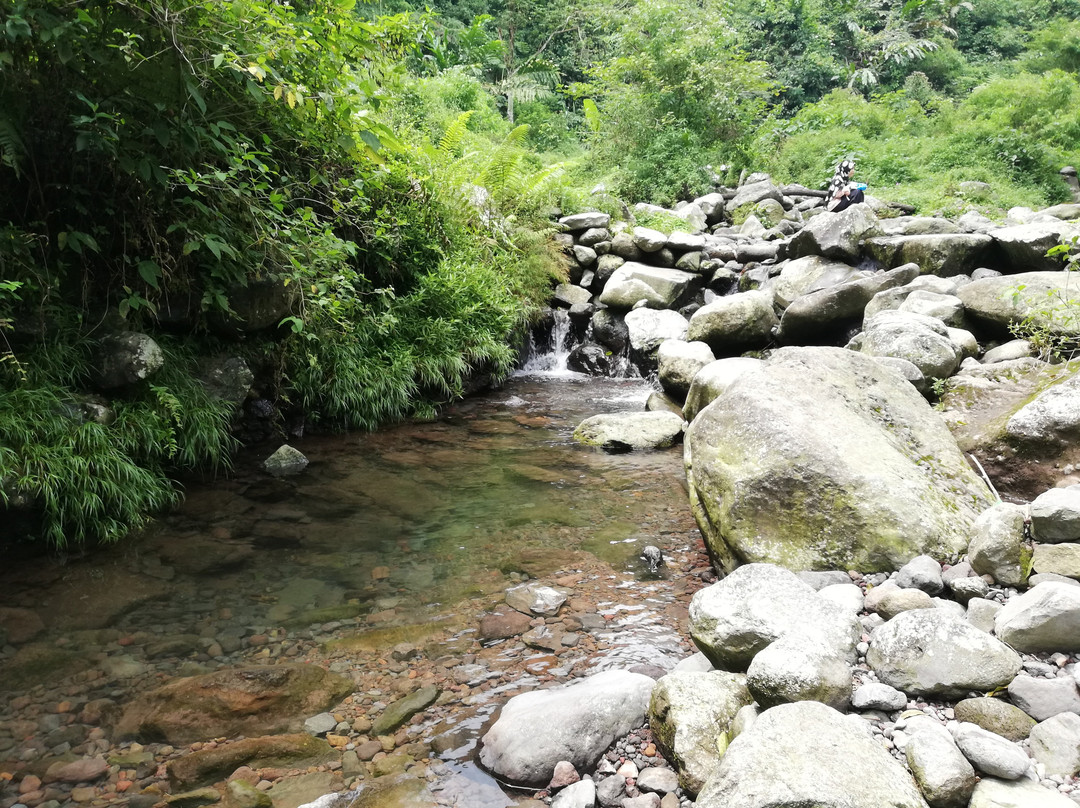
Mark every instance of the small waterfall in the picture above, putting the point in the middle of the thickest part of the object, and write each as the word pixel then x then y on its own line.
pixel 549 358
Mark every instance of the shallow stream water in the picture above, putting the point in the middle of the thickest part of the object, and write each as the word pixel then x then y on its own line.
pixel 404 533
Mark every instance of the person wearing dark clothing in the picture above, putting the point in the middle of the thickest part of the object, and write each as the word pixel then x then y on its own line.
pixel 843 193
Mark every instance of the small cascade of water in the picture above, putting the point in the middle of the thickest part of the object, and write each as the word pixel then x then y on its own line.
pixel 550 359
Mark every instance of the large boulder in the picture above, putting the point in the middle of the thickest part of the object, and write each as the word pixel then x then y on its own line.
pixel 633 281
pixel 206 766
pixel 757 604
pixel 938 254
pixel 809 274
pixel 128 358
pixel 918 226
pixel 945 777
pixel 931 652
pixel 1001 302
pixel 1045 618
pixel 733 324
pixel 648 328
pixel 993 793
pixel 823 459
pixel 1025 245
pixel 1052 420
pixel 818 314
pixel 754 192
pixel 1055 515
pixel 807 754
pixel 836 235
pixel 924 341
pixel 623 431
pixel 1055 743
pixel 576 723
pixel 799 668
pixel 248 701
pixel 713 379
pixel 584 221
pixel 688 713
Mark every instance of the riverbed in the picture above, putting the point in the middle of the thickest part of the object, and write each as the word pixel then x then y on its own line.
pixel 378 561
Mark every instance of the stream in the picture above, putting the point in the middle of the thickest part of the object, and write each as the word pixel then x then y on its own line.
pixel 377 561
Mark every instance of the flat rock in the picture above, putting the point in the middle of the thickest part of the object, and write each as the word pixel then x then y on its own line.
pixel 234 701
pixel 210 765
pixel 1055 743
pixel 403 709
pixel 1055 515
pixel 931 652
pixel 1060 559
pixel 996 716
pixel 630 430
pixel 990 753
pixel 535 598
pixel 1044 698
pixel 993 793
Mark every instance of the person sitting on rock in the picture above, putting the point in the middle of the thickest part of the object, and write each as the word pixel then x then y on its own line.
pixel 843 193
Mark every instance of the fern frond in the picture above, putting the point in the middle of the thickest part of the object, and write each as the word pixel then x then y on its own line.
pixel 451 138
pixel 503 166
pixel 592 114
pixel 12 148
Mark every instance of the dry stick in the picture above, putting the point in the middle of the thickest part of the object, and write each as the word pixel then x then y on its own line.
pixel 982 471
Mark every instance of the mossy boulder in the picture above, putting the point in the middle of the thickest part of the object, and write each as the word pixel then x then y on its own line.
pixel 823 459
pixel 210 765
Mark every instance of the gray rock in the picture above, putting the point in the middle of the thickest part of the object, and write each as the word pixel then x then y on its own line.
pixel 890 602
pixel 594 236
pixel 649 240
pixel 658 779
pixel 947 308
pixel 586 256
pixel 585 221
pixel 400 711
pixel 809 315
pixel 918 226
pixel 686 242
pixel 610 791
pixel 757 604
pixel 808 754
pixel 1057 559
pixel 679 362
pixel 993 793
pixel 568 294
pixel 922 572
pixel 752 193
pixel 689 262
pixel 623 431
pixel 581 794
pixel 1044 698
pixel 923 341
pixel 982 613
pixel 1026 245
pixel 995 715
pixel 735 323
pixel 1046 577
pixel 609 329
pixel 931 652
pixel 1055 743
pixel 822 459
pixel 990 753
pixel 1000 302
pixel 693 216
pixel 284 461
pixel 846 596
pixel 633 281
pixel 820 579
pixel 576 723
pixel 1055 515
pixel 320 724
pixel 798 667
pixel 936 254
pixel 642 801
pixel 878 696
pixel 1013 349
pixel 623 246
pixel 997 544
pixel 945 777
pixel 695 663
pixel 1046 618
pixel 128 358
pixel 838 235
pixel 964 589
pixel 712 205
pixel 1052 419
pixel 228 378
pixel 712 380
pixel 606 266
pixel 812 273
pixel 648 328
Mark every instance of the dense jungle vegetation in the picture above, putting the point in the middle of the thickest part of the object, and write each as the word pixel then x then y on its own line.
pixel 383 174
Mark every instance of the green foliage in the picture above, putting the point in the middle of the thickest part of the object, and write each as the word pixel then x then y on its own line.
pixel 679 96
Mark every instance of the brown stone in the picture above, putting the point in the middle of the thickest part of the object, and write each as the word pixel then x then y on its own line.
pixel 80 771
pixel 565 774
pixel 237 701
pixel 240 758
pixel 21 625
pixel 368 750
pixel 501 625
pixel 29 783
